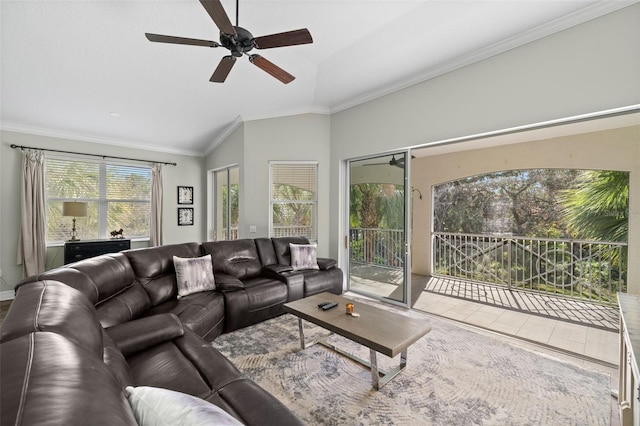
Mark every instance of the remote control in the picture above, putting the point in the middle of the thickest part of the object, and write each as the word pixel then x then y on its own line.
pixel 320 305
pixel 329 306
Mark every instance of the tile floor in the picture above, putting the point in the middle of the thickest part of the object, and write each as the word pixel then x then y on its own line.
pixel 587 342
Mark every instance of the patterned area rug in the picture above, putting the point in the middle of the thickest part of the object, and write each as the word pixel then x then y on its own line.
pixel 454 376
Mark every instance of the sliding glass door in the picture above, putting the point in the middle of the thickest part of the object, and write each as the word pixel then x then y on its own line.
pixel 225 183
pixel 377 231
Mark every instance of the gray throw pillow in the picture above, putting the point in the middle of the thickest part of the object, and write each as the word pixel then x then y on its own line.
pixel 303 256
pixel 163 407
pixel 194 274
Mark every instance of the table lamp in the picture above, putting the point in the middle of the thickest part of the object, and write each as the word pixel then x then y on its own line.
pixel 75 209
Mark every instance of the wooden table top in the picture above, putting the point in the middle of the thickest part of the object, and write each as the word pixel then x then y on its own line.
pixel 386 332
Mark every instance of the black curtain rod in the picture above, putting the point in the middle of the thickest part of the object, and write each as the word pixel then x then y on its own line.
pixel 14 146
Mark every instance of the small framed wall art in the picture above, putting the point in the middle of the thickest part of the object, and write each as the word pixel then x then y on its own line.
pixel 185 216
pixel 185 195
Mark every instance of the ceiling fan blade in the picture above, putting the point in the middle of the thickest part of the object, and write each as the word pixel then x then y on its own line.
pixel 180 40
pixel 216 11
pixel 223 69
pixel 271 68
pixel 289 38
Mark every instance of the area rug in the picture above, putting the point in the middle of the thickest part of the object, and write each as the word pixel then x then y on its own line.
pixel 454 376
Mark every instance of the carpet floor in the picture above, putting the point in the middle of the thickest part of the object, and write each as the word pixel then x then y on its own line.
pixel 454 376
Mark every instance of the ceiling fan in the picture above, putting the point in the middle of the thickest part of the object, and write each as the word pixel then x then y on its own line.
pixel 239 42
pixel 398 162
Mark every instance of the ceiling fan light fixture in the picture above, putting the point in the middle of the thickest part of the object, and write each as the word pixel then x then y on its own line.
pixel 239 41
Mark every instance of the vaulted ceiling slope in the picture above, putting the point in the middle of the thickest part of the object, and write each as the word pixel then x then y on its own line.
pixel 84 69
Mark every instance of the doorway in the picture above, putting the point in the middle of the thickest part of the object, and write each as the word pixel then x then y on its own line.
pixel 226 193
pixel 378 234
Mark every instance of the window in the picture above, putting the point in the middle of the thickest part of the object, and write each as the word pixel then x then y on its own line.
pixel 293 195
pixel 118 197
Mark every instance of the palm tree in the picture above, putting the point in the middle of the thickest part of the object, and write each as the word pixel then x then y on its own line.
pixel 599 207
pixel 374 206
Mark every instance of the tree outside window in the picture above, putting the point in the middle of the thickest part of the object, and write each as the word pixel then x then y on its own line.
pixel 118 197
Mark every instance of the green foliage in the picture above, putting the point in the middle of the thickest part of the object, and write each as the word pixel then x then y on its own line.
pixel 295 210
pixel 234 197
pixel 598 207
pixel 545 203
pixel 375 205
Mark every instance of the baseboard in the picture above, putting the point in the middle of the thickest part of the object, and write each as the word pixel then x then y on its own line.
pixel 7 295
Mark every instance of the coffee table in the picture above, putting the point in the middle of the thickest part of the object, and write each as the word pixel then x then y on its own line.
pixel 380 330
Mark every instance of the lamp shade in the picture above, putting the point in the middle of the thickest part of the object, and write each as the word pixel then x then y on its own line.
pixel 74 208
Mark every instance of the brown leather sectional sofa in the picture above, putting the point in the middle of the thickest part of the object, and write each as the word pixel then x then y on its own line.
pixel 75 337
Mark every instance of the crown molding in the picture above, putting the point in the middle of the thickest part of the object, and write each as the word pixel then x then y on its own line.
pixel 263 116
pixel 573 19
pixel 61 134
pixel 224 135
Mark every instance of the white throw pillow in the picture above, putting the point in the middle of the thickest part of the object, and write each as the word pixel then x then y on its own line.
pixel 163 407
pixel 194 274
pixel 303 256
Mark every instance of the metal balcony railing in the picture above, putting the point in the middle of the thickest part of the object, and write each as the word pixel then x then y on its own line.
pixel 585 270
pixel 380 247
pixel 293 231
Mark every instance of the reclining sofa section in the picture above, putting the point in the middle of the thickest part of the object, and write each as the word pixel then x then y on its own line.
pixel 76 336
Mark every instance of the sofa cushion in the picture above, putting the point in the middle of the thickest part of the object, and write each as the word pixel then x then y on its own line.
pixel 303 256
pixel 49 380
pixel 253 405
pixel 109 282
pixel 156 406
pixel 283 250
pixel 120 296
pixel 185 364
pixel 194 275
pixel 265 251
pixel 55 307
pixel 154 268
pixel 203 313
pixel 237 258
pixel 261 299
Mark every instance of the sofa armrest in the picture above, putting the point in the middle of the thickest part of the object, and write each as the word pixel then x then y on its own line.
pixel 277 268
pixel 143 333
pixel 226 282
pixel 293 279
pixel 325 263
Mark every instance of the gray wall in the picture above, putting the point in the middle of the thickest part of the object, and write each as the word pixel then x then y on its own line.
pixel 302 137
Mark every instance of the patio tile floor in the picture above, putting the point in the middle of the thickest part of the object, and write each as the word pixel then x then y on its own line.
pixel 583 335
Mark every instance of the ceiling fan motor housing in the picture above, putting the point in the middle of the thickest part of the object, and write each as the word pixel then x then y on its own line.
pixel 237 44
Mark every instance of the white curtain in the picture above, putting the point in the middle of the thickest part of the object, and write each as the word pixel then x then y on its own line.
pixel 156 206
pixel 32 248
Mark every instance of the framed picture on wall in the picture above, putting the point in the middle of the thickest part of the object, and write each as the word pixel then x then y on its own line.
pixel 185 195
pixel 185 216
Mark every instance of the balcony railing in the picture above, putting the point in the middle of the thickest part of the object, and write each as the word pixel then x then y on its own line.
pixel 380 247
pixel 586 270
pixel 293 231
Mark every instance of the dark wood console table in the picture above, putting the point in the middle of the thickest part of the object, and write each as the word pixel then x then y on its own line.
pixel 84 249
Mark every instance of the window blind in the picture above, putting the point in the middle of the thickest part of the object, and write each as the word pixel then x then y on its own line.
pixel 118 196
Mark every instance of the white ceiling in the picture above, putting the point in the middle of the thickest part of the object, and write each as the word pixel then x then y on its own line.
pixel 66 65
